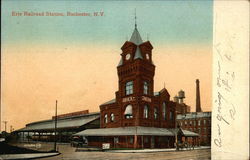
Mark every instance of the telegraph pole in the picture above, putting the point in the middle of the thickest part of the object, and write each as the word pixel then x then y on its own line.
pixel 5 125
pixel 55 127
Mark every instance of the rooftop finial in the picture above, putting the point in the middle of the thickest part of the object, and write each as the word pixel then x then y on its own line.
pixel 135 19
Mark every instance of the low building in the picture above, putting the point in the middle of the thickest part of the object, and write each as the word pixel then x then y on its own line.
pixel 67 124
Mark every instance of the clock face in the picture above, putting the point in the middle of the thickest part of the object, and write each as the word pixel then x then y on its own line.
pixel 127 56
pixel 147 56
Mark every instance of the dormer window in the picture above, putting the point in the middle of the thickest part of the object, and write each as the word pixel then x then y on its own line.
pixel 129 88
pixel 145 87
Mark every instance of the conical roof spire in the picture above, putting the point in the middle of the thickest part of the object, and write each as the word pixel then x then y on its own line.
pixel 136 37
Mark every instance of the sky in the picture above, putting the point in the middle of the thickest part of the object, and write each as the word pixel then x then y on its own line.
pixel 73 59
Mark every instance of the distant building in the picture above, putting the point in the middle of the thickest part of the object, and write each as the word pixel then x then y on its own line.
pixel 198 122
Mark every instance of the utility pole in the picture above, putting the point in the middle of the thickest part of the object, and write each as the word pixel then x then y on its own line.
pixel 176 131
pixel 55 127
pixel 5 123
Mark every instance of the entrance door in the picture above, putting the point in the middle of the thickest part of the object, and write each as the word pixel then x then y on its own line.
pixel 152 142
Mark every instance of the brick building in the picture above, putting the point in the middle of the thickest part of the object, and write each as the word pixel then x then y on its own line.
pixel 138 117
pixel 198 122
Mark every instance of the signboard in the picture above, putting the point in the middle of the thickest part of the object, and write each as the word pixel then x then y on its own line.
pixel 106 146
pixel 128 99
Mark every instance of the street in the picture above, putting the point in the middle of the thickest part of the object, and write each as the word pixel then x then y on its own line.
pixel 68 153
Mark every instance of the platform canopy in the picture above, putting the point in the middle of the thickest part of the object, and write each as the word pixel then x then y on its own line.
pixel 135 130
pixel 66 123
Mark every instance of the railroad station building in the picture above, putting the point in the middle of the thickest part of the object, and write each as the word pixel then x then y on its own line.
pixel 138 117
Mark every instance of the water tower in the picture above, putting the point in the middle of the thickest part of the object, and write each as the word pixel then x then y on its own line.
pixel 176 99
pixel 181 96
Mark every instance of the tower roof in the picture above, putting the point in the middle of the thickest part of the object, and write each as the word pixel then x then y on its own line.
pixel 138 53
pixel 136 37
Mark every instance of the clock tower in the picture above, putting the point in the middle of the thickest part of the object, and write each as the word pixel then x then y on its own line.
pixel 136 79
pixel 135 102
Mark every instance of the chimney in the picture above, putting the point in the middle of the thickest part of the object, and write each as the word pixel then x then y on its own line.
pixel 198 100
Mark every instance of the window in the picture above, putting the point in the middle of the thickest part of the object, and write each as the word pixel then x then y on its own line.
pixel 116 139
pixel 194 123
pixel 205 131
pixel 199 123
pixel 128 112
pixel 185 123
pixel 171 115
pixel 164 110
pixel 129 88
pixel 155 113
pixel 199 130
pixel 105 118
pixel 112 117
pixel 204 122
pixel 145 88
pixel 131 140
pixel 145 112
pixel 180 123
pixel 190 123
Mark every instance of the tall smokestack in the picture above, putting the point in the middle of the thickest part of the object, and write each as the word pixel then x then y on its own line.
pixel 198 100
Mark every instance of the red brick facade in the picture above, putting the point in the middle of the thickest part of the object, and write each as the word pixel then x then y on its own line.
pixel 138 71
pixel 136 103
pixel 198 122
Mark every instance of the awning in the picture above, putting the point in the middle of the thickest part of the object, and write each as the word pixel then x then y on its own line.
pixel 189 133
pixel 185 133
pixel 122 131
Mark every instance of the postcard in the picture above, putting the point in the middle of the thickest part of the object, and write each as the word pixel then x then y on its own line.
pixel 145 79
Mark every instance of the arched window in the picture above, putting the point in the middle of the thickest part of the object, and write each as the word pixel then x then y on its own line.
pixel 145 112
pixel 128 112
pixel 145 87
pixel 105 118
pixel 112 117
pixel 129 88
pixel 155 113
pixel 164 110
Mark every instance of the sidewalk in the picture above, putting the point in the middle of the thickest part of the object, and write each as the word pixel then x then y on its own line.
pixel 155 150
pixel 27 155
